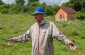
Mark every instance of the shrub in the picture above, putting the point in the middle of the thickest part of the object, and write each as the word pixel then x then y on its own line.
pixel 4 8
pixel 49 10
pixel 34 4
pixel 80 16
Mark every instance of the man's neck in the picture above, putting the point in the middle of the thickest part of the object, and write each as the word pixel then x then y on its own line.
pixel 39 22
pixel 43 21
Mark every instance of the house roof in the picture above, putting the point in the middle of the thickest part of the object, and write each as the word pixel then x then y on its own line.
pixel 68 9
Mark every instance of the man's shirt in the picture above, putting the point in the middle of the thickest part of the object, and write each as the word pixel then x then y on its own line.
pixel 42 38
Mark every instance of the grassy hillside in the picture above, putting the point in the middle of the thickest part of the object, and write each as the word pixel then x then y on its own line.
pixel 16 24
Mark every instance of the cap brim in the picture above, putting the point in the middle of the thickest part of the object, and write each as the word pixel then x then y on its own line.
pixel 39 13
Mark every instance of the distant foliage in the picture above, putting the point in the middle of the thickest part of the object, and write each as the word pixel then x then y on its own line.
pixel 78 5
pixel 80 16
pixel 1 2
pixel 49 10
pixel 15 9
pixel 20 2
pixel 30 1
pixel 4 8
pixel 20 7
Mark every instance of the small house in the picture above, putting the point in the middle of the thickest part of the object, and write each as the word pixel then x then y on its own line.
pixel 65 14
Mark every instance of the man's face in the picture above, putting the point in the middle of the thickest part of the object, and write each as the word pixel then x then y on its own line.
pixel 39 17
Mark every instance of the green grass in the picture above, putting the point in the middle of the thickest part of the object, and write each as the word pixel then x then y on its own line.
pixel 16 24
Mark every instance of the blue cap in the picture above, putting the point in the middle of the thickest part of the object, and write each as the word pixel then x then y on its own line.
pixel 39 10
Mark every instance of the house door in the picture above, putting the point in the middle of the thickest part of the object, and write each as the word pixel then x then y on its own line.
pixel 61 17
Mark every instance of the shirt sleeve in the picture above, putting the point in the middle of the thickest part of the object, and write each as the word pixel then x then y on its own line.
pixel 56 34
pixel 23 38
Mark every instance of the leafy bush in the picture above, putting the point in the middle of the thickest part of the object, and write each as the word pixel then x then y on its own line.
pixel 80 16
pixel 15 9
pixel 34 4
pixel 49 10
pixel 4 8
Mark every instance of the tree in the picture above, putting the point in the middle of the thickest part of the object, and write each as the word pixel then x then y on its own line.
pixel 1 2
pixel 20 2
pixel 78 5
pixel 33 0
pixel 83 6
pixel 30 1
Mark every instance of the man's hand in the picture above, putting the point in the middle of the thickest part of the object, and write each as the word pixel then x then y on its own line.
pixel 72 46
pixel 11 42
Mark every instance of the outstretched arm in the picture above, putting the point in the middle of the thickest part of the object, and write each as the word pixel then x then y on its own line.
pixel 22 38
pixel 56 34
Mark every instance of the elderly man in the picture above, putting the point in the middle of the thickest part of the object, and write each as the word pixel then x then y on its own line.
pixel 42 34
